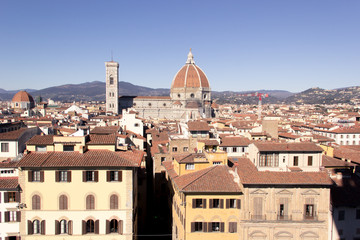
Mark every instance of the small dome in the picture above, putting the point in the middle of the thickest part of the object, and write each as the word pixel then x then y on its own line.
pixel 190 75
pixel 23 96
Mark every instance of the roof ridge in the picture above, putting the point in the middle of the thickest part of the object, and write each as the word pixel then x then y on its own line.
pixel 206 172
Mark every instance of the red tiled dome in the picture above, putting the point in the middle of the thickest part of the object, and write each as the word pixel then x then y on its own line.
pixel 23 96
pixel 190 75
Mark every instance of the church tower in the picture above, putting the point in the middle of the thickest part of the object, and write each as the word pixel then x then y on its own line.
pixel 112 87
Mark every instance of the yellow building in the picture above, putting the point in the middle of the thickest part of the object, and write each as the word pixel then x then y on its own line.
pixel 214 201
pixel 75 190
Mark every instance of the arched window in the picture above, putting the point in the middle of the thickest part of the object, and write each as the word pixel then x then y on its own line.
pixel 114 202
pixel 114 226
pixel 36 227
pixel 36 202
pixel 63 226
pixel 90 226
pixel 63 202
pixel 192 95
pixel 90 202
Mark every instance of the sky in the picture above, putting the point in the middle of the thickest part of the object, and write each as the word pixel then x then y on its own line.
pixel 240 45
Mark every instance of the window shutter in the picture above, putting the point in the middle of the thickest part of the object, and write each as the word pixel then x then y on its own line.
pixel 18 216
pixel 222 226
pixel 209 227
pixel 69 176
pixel 205 226
pixel 84 176
pixel 227 203
pixel 30 227
pixel 57 227
pixel 97 227
pixel 83 226
pixel 7 216
pixel 57 176
pixel 193 227
pixel 221 203
pixel 6 197
pixel 43 227
pixel 41 176
pixel 235 227
pixel 17 196
pixel 107 226
pixel 120 227
pixel 204 203
pixel 211 203
pixel 30 176
pixel 96 176
pixel 108 176
pixel 120 176
pixel 238 203
pixel 70 227
pixel 193 203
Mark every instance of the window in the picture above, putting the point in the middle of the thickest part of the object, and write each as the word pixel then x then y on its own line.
pixel 164 104
pixel 111 80
pixel 63 176
pixel 189 166
pixel 11 197
pixel 36 227
pixel 174 149
pixel 215 203
pixel 216 163
pixel 163 159
pixel 63 227
pixel 179 95
pixel 149 104
pixel 232 227
pixel 296 161
pixel 232 203
pixel 197 227
pixel 234 149
pixel 12 216
pixel 114 226
pixel 199 203
pixel 68 148
pixel 90 176
pixel 136 125
pixel 114 176
pixel 341 215
pixel 41 148
pixel 36 202
pixel 36 176
pixel 215 227
pixel 310 160
pixel 192 95
pixel 185 149
pixel 63 202
pixel 309 211
pixel 90 202
pixel 90 226
pixel 4 147
pixel 114 202
pixel 357 213
pixel 269 160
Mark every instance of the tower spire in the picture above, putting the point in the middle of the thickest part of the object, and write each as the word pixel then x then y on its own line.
pixel 190 59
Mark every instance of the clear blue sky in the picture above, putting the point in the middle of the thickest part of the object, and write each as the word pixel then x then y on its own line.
pixel 240 45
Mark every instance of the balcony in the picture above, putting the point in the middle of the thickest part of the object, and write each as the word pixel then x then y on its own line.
pixel 311 218
pixel 284 217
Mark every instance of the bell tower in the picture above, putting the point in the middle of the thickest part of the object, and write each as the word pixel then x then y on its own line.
pixel 112 87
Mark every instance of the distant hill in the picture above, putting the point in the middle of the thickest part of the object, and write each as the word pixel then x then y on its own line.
pixel 95 91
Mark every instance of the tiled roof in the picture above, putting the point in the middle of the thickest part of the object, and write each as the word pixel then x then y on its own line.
pixel 91 158
pixel 209 142
pixel 153 97
pixel 198 126
pixel 190 75
pixel 12 135
pixel 41 140
pixel 23 96
pixel 328 161
pixel 95 139
pixel 8 183
pixel 288 135
pixel 347 153
pixel 188 157
pixel 105 130
pixel 232 141
pixel 192 104
pixel 287 147
pixel 249 175
pixel 212 179
pixel 349 130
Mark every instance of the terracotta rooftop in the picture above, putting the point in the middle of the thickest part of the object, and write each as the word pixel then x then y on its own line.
pixel 198 126
pixel 23 96
pixel 41 140
pixel 95 139
pixel 105 130
pixel 12 135
pixel 328 161
pixel 190 76
pixel 91 158
pixel 345 152
pixel 188 157
pixel 153 97
pixel 287 147
pixel 233 141
pixel 8 183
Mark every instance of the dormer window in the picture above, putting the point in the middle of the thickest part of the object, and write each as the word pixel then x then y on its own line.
pixel 68 148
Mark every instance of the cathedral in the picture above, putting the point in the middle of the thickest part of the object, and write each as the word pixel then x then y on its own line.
pixel 190 95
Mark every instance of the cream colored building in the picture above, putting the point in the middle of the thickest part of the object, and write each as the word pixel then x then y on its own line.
pixel 75 190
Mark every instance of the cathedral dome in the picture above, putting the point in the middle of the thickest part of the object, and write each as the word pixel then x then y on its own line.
pixel 23 96
pixel 190 76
